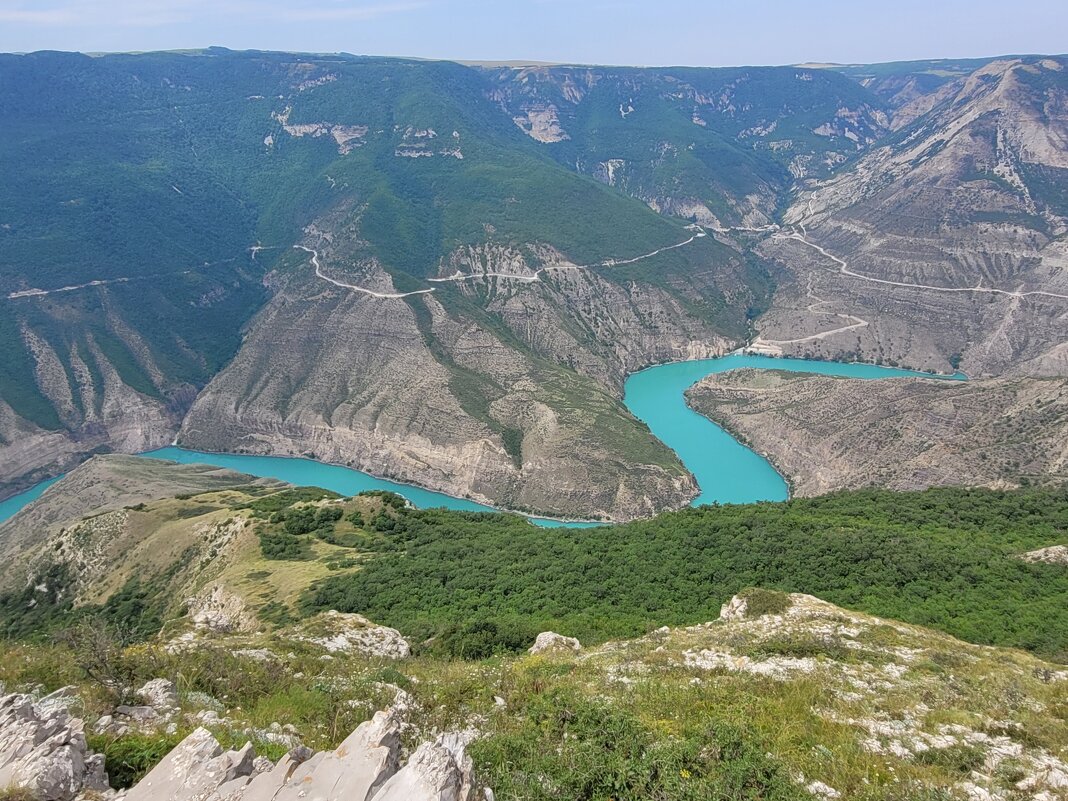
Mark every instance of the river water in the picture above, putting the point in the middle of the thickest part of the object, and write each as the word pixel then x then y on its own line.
pixel 726 471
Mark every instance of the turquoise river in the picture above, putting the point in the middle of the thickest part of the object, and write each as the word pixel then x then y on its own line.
pixel 726 471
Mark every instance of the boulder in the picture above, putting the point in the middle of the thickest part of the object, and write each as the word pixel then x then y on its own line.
pixel 550 641
pixel 353 772
pixel 734 609
pixel 43 750
pixel 159 694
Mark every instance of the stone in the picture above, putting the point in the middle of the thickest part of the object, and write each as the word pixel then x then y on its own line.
pixel 61 699
pixel 353 772
pixel 194 771
pixel 43 750
pixel 345 633
pixel 456 743
pixel 143 717
pixel 430 775
pixel 549 641
pixel 735 609
pixel 218 609
pixel 159 694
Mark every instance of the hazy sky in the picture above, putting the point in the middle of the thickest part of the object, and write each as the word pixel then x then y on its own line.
pixel 699 32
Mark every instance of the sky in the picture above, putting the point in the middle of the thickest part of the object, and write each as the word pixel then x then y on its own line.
pixel 637 32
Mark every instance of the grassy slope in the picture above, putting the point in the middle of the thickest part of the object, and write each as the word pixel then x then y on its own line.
pixel 633 719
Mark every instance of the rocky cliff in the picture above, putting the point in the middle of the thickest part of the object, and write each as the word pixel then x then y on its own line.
pixel 825 434
pixel 945 244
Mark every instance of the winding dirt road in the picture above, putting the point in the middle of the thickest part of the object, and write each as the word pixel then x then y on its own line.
pixel 843 269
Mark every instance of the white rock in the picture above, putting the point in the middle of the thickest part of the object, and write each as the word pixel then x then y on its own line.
pixel 734 609
pixel 551 641
pixel 821 790
pixel 344 633
pixel 195 770
pixel 430 775
pixel 218 609
pixel 45 753
pixel 159 694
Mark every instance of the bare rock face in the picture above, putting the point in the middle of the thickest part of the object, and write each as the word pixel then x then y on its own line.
pixel 43 751
pixel 337 632
pixel 550 641
pixel 899 433
pixel 947 244
pixel 355 770
pixel 517 406
pixel 220 610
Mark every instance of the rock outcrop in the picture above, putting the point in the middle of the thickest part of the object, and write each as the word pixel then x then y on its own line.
pixel 43 751
pixel 947 242
pixel 1053 555
pixel 340 633
pixel 46 755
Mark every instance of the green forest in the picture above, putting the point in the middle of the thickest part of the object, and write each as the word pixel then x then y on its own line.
pixel 944 558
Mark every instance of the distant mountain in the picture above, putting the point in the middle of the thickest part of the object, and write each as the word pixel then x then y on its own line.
pixel 949 238
pixel 719 146
pixel 442 273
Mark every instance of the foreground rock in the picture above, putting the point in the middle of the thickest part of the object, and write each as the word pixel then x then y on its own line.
pixel 197 769
pixel 43 751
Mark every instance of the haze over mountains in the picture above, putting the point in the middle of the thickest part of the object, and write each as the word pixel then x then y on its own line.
pixel 443 273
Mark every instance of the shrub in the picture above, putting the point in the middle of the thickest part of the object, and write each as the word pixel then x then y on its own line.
pixel 760 602
pixel 483 638
pixel 568 746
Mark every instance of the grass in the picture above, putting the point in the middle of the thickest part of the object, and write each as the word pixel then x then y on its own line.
pixel 626 720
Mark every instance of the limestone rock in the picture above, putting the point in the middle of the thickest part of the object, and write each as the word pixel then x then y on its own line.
pixel 345 633
pixel 43 750
pixel 60 700
pixel 551 641
pixel 1054 555
pixel 352 772
pixel 159 694
pixel 196 770
pixel 218 609
pixel 734 609
pixel 430 775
